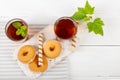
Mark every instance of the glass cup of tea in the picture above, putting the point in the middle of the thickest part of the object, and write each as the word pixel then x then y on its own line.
pixel 65 28
pixel 16 30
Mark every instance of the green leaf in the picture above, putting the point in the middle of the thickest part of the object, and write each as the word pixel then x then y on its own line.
pixel 23 27
pixel 16 24
pixel 90 26
pixel 79 15
pixel 23 34
pixel 96 26
pixel 87 18
pixel 98 30
pixel 18 32
pixel 88 8
pixel 98 21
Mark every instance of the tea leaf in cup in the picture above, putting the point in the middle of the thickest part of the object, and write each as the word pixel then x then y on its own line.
pixel 23 33
pixel 21 30
pixel 23 27
pixel 16 24
pixel 18 32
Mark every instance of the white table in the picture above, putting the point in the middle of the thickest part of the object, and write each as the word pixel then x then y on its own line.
pixel 98 58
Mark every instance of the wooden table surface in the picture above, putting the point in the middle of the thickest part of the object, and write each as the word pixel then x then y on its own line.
pixel 97 58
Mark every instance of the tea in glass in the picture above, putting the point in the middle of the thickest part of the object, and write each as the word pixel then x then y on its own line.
pixel 65 28
pixel 16 29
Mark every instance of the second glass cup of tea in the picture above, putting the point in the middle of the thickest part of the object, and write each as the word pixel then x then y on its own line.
pixel 16 30
pixel 65 28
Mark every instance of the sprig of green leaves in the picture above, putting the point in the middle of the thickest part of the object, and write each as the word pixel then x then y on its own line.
pixel 21 30
pixel 85 14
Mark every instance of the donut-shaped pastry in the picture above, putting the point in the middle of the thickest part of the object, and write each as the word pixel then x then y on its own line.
pixel 26 54
pixel 36 68
pixel 52 48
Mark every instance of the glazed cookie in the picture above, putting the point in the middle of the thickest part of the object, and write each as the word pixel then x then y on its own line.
pixel 26 54
pixel 52 48
pixel 36 68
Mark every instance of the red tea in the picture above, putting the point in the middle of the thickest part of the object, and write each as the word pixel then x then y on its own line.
pixel 65 28
pixel 11 31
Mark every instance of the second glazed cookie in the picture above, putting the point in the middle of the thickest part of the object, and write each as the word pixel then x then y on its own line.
pixel 36 68
pixel 52 48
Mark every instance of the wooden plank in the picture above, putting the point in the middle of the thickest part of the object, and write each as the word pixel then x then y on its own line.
pixel 95 61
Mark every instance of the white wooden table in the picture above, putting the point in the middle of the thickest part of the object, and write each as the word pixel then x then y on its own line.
pixel 98 58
